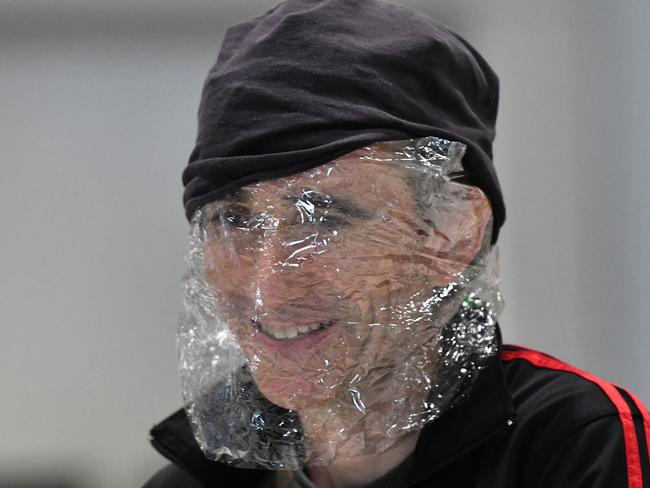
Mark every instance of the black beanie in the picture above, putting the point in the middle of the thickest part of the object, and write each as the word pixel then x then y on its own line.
pixel 311 80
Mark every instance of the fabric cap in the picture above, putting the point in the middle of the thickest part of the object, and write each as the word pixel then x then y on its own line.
pixel 311 80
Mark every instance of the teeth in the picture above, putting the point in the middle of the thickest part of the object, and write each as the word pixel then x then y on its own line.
pixel 293 332
pixel 277 333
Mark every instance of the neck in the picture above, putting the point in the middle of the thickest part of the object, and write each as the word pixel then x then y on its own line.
pixel 359 471
pixel 354 447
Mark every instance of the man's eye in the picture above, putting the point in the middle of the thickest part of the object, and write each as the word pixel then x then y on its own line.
pixel 236 216
pixel 240 217
pixel 331 221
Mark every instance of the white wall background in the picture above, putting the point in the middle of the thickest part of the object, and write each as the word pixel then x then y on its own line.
pixel 98 103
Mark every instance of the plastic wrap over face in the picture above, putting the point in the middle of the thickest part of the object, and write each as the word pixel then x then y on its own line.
pixel 329 313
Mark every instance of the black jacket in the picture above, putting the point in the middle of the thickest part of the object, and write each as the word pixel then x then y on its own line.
pixel 531 421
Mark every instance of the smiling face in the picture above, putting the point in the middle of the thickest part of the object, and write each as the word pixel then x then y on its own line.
pixel 323 276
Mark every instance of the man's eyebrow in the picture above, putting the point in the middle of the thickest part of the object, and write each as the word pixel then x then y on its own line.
pixel 240 196
pixel 343 205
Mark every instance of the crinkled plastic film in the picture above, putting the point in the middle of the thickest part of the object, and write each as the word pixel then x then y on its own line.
pixel 329 313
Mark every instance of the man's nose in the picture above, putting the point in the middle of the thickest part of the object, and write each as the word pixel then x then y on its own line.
pixel 285 268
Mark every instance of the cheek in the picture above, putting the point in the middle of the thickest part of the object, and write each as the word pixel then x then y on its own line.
pixel 216 266
pixel 225 272
pixel 376 257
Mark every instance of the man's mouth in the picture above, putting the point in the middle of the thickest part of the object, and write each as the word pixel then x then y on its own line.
pixel 287 333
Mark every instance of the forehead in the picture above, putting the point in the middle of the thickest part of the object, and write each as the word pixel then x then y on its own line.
pixel 357 177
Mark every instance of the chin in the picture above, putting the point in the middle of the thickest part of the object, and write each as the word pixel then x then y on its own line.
pixel 295 393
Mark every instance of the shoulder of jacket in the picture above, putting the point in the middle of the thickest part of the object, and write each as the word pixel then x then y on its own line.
pixel 556 394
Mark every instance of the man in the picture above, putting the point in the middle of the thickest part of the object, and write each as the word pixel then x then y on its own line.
pixel 339 325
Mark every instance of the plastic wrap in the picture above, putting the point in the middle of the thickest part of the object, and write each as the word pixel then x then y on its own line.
pixel 329 313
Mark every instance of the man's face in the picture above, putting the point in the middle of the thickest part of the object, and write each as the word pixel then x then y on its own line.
pixel 323 276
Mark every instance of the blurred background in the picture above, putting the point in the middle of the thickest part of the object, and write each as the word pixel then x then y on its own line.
pixel 98 106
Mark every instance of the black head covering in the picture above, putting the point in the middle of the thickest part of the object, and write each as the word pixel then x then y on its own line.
pixel 311 80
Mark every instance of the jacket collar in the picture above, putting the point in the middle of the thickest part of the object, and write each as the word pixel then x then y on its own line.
pixel 485 411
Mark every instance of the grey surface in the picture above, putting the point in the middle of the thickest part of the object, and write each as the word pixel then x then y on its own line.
pixel 98 117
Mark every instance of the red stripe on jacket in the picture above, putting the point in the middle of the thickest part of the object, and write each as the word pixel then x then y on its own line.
pixel 632 456
pixel 646 418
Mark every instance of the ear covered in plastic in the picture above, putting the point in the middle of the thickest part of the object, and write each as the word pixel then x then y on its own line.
pixel 454 239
